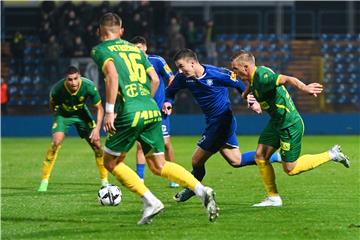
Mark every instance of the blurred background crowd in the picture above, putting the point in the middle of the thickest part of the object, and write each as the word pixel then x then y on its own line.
pixel 315 41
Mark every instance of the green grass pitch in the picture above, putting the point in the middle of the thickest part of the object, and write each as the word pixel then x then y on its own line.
pixel 320 204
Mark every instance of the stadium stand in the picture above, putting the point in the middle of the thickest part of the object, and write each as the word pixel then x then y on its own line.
pixel 332 59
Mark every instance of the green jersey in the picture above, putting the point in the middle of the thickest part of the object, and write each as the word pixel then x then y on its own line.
pixel 273 98
pixel 68 103
pixel 134 91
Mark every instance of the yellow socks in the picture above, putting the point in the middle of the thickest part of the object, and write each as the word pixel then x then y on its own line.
pixel 129 179
pixel 308 162
pixel 268 176
pixel 49 161
pixel 177 173
pixel 99 154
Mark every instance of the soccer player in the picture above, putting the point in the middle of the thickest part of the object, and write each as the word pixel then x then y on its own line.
pixel 285 128
pixel 164 73
pixel 132 115
pixel 209 86
pixel 67 101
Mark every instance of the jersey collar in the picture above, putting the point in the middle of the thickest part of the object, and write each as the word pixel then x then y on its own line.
pixel 202 76
pixel 68 90
pixel 252 76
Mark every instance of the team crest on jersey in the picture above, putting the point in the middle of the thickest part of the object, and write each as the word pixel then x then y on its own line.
pixel 209 82
pixel 81 99
pixel 266 75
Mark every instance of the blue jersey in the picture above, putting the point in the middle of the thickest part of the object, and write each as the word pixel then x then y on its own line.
pixel 210 90
pixel 164 73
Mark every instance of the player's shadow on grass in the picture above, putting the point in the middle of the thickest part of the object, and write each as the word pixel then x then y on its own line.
pixel 81 228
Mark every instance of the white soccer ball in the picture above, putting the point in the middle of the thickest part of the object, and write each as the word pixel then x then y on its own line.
pixel 110 195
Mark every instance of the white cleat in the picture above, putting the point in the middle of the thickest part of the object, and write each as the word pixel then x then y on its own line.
pixel 210 204
pixel 150 211
pixel 337 156
pixel 272 201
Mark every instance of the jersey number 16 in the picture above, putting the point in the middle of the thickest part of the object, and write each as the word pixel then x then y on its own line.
pixel 136 70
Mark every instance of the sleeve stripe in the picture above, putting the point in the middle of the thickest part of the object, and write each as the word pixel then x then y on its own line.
pixel 98 103
pixel 103 66
pixel 149 68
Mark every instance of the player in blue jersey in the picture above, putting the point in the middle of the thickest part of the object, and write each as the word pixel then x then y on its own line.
pixel 164 73
pixel 209 86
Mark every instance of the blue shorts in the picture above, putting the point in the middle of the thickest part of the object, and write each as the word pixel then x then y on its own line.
pixel 219 132
pixel 165 125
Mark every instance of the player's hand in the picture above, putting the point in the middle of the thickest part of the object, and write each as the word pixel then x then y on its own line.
pixel 167 108
pixel 250 99
pixel 313 89
pixel 109 123
pixel 253 104
pixel 94 136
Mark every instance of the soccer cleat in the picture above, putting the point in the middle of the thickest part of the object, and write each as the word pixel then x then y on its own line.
pixel 173 185
pixel 104 183
pixel 210 204
pixel 183 195
pixel 43 186
pixel 337 156
pixel 272 201
pixel 150 211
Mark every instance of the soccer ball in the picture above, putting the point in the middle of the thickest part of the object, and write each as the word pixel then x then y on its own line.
pixel 110 195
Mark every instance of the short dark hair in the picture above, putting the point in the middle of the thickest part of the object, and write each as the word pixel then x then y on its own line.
pixel 185 53
pixel 71 70
pixel 110 20
pixel 138 39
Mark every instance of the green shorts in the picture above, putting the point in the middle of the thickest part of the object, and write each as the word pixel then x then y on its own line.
pixel 83 126
pixel 143 126
pixel 288 139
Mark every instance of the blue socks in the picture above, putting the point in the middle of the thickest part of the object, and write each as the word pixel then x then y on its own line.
pixel 248 158
pixel 140 170
pixel 275 157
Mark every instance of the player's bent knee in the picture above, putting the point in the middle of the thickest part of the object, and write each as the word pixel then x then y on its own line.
pixel 56 143
pixel 155 162
pixel 289 170
pixel 109 162
pixel 156 171
pixel 234 164
pixel 259 155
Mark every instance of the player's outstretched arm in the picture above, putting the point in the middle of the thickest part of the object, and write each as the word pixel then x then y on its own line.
pixel 312 88
pixel 111 88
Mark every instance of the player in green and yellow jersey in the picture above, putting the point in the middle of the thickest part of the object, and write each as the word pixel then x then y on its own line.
pixel 285 128
pixel 133 115
pixel 67 101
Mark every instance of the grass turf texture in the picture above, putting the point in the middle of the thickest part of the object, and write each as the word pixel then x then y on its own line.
pixel 321 204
